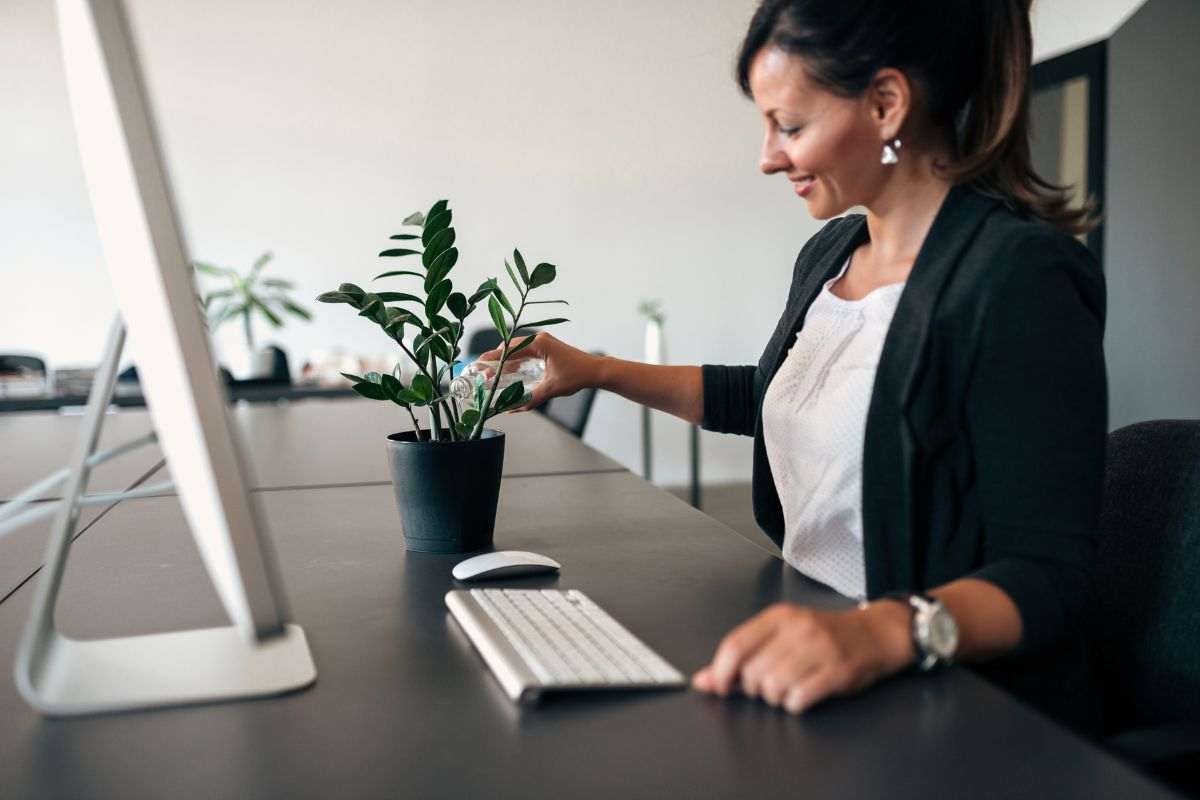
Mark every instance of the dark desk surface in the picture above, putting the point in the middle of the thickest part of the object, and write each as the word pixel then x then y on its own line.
pixel 290 445
pixel 343 442
pixel 404 707
pixel 35 444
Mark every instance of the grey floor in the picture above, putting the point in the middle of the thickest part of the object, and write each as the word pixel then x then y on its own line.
pixel 730 504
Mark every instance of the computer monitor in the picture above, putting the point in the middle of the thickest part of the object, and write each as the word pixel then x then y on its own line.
pixel 153 283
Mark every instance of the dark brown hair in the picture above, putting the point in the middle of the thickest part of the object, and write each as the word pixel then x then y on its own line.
pixel 971 61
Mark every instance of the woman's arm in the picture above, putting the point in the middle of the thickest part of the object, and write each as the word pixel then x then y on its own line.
pixel 1036 419
pixel 796 657
pixel 675 390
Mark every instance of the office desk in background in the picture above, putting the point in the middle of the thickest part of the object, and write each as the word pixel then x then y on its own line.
pixel 300 444
pixel 405 707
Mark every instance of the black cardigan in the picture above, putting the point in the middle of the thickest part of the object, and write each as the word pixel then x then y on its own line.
pixel 984 451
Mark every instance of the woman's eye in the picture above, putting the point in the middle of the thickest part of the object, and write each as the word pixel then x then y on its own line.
pixel 789 131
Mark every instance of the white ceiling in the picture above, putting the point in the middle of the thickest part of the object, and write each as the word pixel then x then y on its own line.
pixel 1063 25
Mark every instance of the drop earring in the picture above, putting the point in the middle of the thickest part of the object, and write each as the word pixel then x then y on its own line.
pixel 890 152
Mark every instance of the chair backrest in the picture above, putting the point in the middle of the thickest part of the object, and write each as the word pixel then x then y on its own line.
pixel 572 411
pixel 12 363
pixel 1144 614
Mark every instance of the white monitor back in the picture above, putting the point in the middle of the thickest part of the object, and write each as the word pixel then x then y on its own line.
pixel 143 248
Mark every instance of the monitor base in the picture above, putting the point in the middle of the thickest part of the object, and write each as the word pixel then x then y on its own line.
pixel 165 669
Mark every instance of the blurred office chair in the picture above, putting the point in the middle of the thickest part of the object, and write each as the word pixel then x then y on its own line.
pixel 572 412
pixel 16 364
pixel 25 374
pixel 1144 616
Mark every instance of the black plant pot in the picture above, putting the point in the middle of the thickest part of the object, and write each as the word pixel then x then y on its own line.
pixel 446 491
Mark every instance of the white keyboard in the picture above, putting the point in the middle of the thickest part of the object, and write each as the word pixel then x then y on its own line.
pixel 535 641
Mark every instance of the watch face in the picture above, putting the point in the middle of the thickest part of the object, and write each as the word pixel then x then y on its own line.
pixel 943 634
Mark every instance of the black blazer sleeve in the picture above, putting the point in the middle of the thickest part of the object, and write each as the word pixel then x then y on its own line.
pixel 733 394
pixel 1037 415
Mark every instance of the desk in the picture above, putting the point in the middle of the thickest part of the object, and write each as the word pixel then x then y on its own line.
pixel 35 444
pixel 291 445
pixel 404 707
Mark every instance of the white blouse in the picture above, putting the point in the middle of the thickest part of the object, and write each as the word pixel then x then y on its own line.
pixel 814 425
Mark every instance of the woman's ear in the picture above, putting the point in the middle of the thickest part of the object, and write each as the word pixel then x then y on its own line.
pixel 889 98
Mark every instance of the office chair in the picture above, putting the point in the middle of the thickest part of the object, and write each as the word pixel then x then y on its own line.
pixel 1145 600
pixel 572 411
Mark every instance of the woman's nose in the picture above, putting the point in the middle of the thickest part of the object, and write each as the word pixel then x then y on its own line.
pixel 772 159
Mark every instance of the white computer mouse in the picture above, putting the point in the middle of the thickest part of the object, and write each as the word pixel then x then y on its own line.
pixel 503 564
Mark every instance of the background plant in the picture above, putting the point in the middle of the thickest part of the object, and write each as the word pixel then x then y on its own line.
pixel 435 337
pixel 249 295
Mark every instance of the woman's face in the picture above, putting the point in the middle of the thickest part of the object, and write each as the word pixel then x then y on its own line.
pixel 827 146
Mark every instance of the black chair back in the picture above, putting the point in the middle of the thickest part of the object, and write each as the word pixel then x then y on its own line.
pixel 572 411
pixel 1144 616
pixel 13 364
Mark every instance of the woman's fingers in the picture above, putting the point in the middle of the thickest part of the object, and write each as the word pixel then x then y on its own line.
pixel 814 688
pixel 737 648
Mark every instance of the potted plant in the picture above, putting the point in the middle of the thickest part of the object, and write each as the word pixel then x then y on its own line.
pixel 446 476
pixel 246 297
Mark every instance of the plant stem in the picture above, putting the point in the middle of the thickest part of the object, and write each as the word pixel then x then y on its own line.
pixel 416 425
pixel 249 330
pixel 437 412
pixel 487 402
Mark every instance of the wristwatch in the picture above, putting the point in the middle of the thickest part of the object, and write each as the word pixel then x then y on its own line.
pixel 934 631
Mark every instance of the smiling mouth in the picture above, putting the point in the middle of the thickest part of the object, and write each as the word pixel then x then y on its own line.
pixel 804 183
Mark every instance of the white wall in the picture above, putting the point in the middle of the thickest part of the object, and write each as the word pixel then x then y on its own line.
pixel 608 138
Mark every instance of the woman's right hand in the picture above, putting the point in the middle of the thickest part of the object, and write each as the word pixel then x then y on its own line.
pixel 568 369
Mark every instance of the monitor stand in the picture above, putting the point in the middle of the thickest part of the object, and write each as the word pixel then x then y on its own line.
pixel 60 676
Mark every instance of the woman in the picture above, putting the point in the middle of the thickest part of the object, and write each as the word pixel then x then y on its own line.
pixel 929 416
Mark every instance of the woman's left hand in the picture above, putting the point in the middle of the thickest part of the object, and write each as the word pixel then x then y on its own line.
pixel 796 657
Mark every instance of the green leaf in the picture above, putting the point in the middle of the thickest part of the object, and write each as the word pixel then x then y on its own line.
pixel 405 235
pixel 485 289
pixel 545 302
pixel 373 377
pixel 457 303
pixel 219 272
pixel 299 311
pixel 528 340
pixel 278 283
pixel 371 391
pixel 520 286
pixel 510 397
pixel 397 272
pixel 541 323
pixel 409 397
pixel 271 316
pixel 521 266
pixel 261 262
pixel 400 251
pixel 350 288
pixel 470 417
pixel 415 218
pixel 542 275
pixel 391 385
pixel 335 297
pixel 399 297
pixel 464 430
pixel 497 316
pixel 439 206
pixel 435 224
pixel 352 377
pixel 423 387
pixel 440 348
pixel 374 309
pixel 437 297
pixel 499 295
pixel 441 267
pixel 437 245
